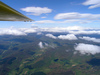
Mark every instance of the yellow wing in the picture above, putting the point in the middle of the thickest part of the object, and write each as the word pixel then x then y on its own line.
pixel 9 14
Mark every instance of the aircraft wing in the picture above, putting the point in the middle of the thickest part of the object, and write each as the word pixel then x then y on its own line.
pixel 9 14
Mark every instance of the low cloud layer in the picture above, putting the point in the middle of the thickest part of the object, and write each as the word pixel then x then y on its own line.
pixel 90 39
pixel 10 31
pixel 37 10
pixel 92 3
pixel 64 29
pixel 51 36
pixel 17 31
pixel 87 48
pixel 76 30
pixel 68 37
pixel 85 32
pixel 63 37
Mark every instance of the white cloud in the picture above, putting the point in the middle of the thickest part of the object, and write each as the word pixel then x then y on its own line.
pixel 66 21
pixel 51 36
pixel 41 45
pixel 70 29
pixel 45 21
pixel 64 29
pixel 68 37
pixel 92 3
pixel 37 10
pixel 75 28
pixel 84 32
pixel 39 33
pixel 90 39
pixel 87 48
pixel 11 31
pixel 76 15
pixel 30 30
pixel 46 44
pixel 18 31
pixel 75 20
pixel 33 25
pixel 43 17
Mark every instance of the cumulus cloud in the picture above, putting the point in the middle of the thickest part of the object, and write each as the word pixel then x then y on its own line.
pixel 68 37
pixel 51 36
pixel 76 15
pixel 92 3
pixel 90 39
pixel 10 31
pixel 41 45
pixel 18 31
pixel 63 37
pixel 87 48
pixel 37 10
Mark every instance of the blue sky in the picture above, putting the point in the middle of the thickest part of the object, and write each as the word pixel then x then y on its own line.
pixel 56 13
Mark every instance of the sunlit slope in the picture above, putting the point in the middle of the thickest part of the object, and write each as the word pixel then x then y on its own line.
pixel 9 14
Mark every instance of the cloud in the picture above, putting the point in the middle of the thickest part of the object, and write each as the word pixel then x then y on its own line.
pixel 46 44
pixel 92 3
pixel 87 48
pixel 51 36
pixel 43 17
pixel 39 33
pixel 76 15
pixel 37 10
pixel 41 45
pixel 63 37
pixel 45 21
pixel 76 30
pixel 68 37
pixel 18 31
pixel 66 21
pixel 90 39
pixel 11 31
pixel 84 32
pixel 63 29
pixel 31 30
pixel 75 20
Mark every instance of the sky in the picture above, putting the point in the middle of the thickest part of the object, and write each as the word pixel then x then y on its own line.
pixel 55 13
pixel 74 17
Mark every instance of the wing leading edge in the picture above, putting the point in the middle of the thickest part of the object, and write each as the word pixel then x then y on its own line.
pixel 9 14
